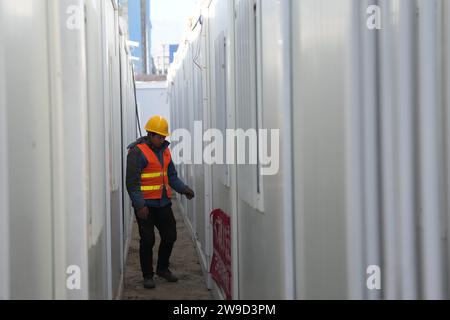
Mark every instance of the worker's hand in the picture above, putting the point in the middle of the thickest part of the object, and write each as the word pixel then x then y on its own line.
pixel 143 213
pixel 189 193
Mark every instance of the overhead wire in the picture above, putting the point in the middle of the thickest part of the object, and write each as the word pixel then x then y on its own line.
pixel 197 54
pixel 136 104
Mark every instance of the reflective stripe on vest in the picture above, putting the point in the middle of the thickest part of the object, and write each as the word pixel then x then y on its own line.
pixel 151 188
pixel 154 177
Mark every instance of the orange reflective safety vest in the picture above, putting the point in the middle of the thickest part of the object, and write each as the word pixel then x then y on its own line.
pixel 154 177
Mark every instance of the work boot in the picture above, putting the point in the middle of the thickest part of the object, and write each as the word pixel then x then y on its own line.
pixel 168 275
pixel 149 283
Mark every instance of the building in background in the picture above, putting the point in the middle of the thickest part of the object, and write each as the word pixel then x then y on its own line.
pixel 164 58
pixel 137 15
pixel 173 48
pixel 151 56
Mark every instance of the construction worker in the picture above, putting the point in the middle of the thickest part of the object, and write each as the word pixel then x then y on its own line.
pixel 151 177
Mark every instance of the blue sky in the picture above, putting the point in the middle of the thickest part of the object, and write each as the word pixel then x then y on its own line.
pixel 169 18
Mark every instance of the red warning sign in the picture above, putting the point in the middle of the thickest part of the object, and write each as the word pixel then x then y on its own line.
pixel 221 261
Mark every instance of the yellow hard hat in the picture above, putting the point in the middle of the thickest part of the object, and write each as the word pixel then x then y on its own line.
pixel 158 125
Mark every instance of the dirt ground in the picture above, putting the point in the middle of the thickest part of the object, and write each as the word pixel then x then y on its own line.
pixel 184 264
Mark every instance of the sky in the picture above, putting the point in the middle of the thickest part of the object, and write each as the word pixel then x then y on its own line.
pixel 169 19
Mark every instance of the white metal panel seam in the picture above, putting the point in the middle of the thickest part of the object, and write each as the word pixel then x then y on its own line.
pixel 370 133
pixel 446 105
pixel 57 156
pixel 299 256
pixel 387 134
pixel 353 152
pixel 75 145
pixel 207 125
pixel 431 202
pixel 234 194
pixel 105 76
pixel 406 158
pixel 288 163
pixel 4 195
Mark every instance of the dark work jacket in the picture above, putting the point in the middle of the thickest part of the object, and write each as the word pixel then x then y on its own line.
pixel 136 162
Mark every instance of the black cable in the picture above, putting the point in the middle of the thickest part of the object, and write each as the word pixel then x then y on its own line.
pixel 123 147
pixel 200 20
pixel 136 105
pixel 197 54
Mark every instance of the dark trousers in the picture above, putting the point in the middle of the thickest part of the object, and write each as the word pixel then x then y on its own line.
pixel 164 221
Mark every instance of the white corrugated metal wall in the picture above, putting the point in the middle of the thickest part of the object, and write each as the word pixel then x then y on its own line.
pixel 412 86
pixel 264 209
pixel 99 269
pixel 68 112
pixel 4 194
pixel 194 97
pixel 129 133
pixel 220 103
pixel 389 113
pixel 320 41
pixel 57 121
pixel 28 148
pixel 370 141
